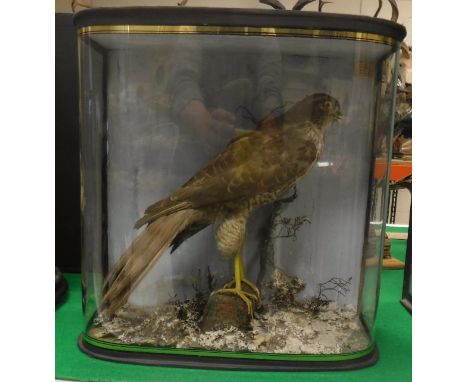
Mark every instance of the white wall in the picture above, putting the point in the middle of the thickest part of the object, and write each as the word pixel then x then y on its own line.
pixel 403 207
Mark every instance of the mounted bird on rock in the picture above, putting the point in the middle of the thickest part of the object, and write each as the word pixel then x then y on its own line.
pixel 253 170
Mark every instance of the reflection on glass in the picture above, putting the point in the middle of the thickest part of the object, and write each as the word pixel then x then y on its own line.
pixel 269 151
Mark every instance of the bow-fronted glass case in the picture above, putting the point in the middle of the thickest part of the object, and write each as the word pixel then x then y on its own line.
pixel 234 172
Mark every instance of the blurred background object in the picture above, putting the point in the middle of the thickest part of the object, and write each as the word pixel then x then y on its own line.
pixel 67 166
pixel 407 297
pixel 61 287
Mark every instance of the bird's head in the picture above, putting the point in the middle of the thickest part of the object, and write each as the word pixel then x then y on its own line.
pixel 319 108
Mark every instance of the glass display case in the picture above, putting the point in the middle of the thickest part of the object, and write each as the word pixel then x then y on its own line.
pixel 234 168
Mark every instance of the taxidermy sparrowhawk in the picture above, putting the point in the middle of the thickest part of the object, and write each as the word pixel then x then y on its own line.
pixel 254 169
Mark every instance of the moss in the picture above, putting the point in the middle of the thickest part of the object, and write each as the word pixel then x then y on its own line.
pixel 284 289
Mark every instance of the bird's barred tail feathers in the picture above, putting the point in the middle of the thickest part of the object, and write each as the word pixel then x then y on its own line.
pixel 140 257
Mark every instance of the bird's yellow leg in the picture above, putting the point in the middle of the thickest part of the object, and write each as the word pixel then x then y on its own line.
pixel 237 289
pixel 239 263
pixel 248 282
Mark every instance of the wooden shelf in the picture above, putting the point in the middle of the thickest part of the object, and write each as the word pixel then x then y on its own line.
pixel 399 170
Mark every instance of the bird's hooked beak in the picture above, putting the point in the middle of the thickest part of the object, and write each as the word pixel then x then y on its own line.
pixel 338 116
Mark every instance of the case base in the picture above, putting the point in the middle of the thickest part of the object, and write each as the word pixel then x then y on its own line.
pixel 220 363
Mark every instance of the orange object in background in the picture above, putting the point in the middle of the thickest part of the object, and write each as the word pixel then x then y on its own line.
pixel 398 171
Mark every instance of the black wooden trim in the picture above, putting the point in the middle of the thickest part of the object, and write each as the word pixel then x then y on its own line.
pixel 170 360
pixel 238 17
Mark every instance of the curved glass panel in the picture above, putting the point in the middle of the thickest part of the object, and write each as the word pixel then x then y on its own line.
pixel 267 158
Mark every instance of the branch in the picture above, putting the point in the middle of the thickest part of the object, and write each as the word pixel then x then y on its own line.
pixel 378 9
pixel 395 12
pixel 289 227
pixel 273 3
pixel 322 3
pixel 266 249
pixel 301 4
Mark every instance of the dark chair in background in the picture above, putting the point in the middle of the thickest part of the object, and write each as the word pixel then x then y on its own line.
pixel 67 168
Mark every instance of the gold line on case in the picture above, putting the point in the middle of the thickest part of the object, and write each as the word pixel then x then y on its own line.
pixel 229 30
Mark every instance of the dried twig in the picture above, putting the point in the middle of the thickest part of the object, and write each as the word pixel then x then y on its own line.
pixel 266 249
pixel 289 227
pixel 336 284
pixel 198 285
pixel 211 280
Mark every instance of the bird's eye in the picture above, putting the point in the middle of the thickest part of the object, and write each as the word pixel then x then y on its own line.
pixel 327 106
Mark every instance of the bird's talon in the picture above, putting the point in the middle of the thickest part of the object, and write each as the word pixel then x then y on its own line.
pixel 255 294
pixel 243 295
pixel 252 296
pixel 252 286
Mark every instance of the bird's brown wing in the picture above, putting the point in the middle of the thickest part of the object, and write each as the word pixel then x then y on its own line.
pixel 230 175
pixel 254 164
pixel 251 165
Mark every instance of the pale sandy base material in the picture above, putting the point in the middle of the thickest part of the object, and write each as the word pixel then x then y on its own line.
pixel 333 330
